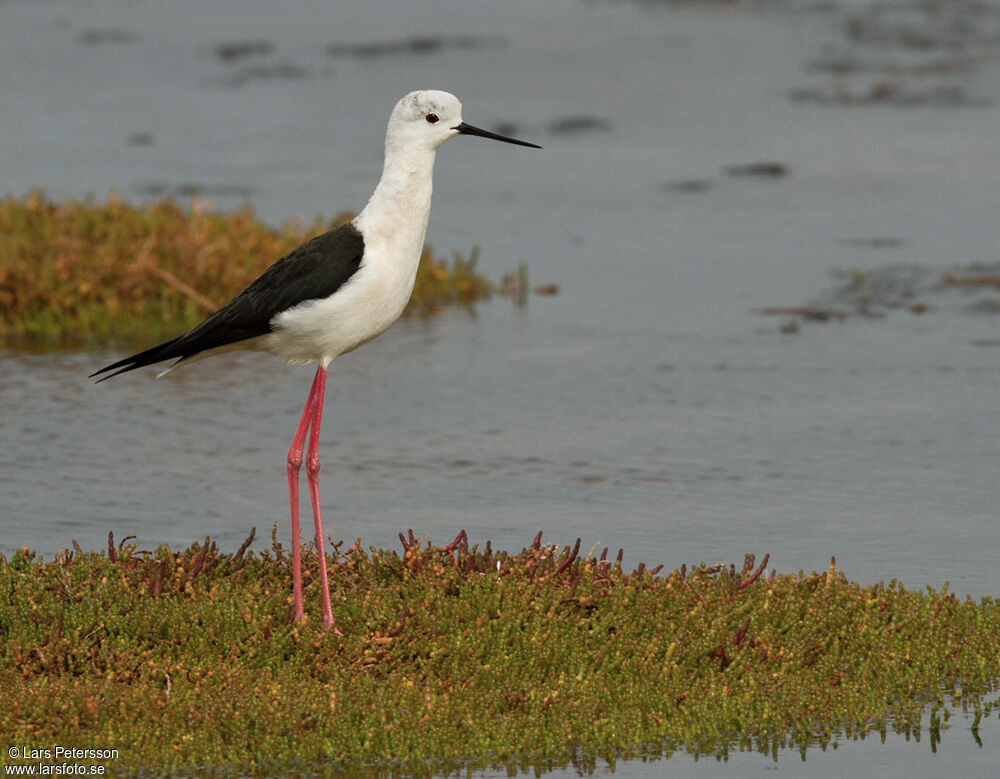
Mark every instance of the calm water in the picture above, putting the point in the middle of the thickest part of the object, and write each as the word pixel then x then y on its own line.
pixel 646 406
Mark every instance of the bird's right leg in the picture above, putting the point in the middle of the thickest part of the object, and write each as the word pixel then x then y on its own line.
pixel 312 476
pixel 294 464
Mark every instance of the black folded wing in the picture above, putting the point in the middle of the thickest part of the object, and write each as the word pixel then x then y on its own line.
pixel 315 270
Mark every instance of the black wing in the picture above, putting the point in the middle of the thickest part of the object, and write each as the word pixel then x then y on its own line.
pixel 316 269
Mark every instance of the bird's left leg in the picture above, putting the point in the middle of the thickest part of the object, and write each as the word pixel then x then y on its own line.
pixel 312 476
pixel 294 464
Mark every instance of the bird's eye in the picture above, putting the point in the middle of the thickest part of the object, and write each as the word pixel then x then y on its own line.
pixel 432 118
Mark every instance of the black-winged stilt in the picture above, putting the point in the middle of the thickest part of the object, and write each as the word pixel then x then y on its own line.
pixel 335 292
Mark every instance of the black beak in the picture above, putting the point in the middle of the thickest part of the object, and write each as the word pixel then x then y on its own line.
pixel 468 129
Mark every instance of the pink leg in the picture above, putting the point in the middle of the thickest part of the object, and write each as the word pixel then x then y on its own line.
pixel 312 476
pixel 294 463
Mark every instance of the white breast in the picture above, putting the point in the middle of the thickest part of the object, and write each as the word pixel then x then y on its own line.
pixel 370 301
pixel 393 225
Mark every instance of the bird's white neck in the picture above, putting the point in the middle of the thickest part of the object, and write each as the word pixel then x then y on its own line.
pixel 399 208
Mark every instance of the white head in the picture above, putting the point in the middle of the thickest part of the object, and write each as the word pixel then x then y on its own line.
pixel 429 117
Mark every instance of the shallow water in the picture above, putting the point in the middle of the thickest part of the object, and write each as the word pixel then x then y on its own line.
pixel 646 406
pixel 897 758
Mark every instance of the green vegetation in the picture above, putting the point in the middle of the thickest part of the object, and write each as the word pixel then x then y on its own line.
pixel 455 657
pixel 85 273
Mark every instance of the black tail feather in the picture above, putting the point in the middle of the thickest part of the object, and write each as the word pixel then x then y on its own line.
pixel 313 271
pixel 164 351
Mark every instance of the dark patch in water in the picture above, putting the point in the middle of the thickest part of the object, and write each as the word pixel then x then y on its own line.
pixel 140 139
pixel 191 189
pixel 916 289
pixel 848 64
pixel 153 189
pixel 770 170
pixel 579 124
pixel 689 185
pixel 872 243
pixel 283 71
pixel 99 37
pixel 507 128
pixel 988 306
pixel 905 55
pixel 417 44
pixel 924 26
pixel 231 51
pixel 896 95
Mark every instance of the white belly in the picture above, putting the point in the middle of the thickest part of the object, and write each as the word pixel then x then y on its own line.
pixel 370 301
pixel 393 225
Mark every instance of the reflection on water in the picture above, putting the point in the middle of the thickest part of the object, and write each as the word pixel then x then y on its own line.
pixel 894 756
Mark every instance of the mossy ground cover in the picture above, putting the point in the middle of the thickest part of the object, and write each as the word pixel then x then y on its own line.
pixel 84 273
pixel 455 657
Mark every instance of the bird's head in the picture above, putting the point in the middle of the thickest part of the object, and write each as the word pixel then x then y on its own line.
pixel 429 117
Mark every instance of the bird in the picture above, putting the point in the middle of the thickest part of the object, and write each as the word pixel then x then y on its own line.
pixel 333 293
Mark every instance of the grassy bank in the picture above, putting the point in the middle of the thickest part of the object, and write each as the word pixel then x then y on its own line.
pixel 85 273
pixel 466 657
